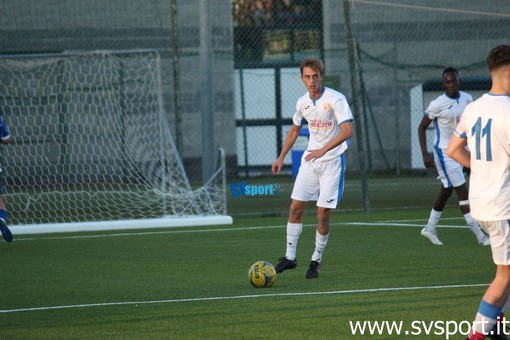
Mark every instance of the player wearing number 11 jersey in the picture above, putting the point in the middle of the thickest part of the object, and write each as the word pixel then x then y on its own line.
pixel 485 128
pixel 486 125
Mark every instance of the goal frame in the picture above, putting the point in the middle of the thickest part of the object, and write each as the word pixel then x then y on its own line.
pixel 165 221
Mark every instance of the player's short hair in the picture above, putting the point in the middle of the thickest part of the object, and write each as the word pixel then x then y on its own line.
pixel 450 70
pixel 313 63
pixel 498 56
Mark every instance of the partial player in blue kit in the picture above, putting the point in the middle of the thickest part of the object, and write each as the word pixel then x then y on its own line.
pixel 445 112
pixel 321 174
pixel 5 138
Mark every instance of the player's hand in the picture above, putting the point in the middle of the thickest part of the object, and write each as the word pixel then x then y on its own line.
pixel 428 162
pixel 314 154
pixel 277 165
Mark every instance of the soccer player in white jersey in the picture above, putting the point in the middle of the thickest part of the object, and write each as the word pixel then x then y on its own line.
pixel 321 174
pixel 445 112
pixel 485 128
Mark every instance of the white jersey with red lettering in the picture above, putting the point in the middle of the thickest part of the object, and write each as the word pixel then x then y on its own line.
pixel 324 115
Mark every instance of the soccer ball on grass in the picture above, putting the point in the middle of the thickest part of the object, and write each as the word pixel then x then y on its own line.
pixel 262 274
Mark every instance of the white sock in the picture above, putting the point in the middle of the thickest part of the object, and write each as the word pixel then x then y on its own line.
pixel 293 232
pixel 473 225
pixel 486 317
pixel 483 324
pixel 433 220
pixel 320 245
pixel 505 307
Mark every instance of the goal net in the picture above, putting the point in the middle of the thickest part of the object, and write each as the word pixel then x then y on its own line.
pixel 93 148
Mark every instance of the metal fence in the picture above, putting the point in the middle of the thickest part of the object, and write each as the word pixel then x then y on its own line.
pixel 385 56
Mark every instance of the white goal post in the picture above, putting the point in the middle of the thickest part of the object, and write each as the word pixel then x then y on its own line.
pixel 93 148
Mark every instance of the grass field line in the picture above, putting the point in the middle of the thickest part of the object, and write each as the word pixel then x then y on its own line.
pixel 152 233
pixel 424 220
pixel 238 297
pixel 393 224
pixel 396 223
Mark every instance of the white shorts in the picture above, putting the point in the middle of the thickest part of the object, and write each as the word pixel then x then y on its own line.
pixel 499 233
pixel 449 171
pixel 320 181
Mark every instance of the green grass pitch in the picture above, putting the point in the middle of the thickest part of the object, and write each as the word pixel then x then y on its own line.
pixel 191 283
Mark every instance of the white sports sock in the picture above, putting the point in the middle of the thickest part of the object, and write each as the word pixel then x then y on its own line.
pixel 433 220
pixel 473 225
pixel 486 317
pixel 320 245
pixel 505 307
pixel 293 232
pixel 483 324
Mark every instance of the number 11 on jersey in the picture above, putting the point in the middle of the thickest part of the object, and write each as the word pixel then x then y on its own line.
pixel 482 135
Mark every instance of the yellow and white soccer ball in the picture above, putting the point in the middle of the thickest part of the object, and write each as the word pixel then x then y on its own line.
pixel 262 274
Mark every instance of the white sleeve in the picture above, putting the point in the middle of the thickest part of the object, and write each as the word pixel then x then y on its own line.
pixel 342 110
pixel 298 116
pixel 432 110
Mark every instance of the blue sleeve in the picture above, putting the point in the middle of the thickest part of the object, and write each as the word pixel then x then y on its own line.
pixel 3 129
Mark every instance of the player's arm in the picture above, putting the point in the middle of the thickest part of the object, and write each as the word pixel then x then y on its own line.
pixel 422 137
pixel 345 133
pixel 457 150
pixel 292 135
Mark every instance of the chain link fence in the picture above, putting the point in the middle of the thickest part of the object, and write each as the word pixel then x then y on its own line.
pixel 385 56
